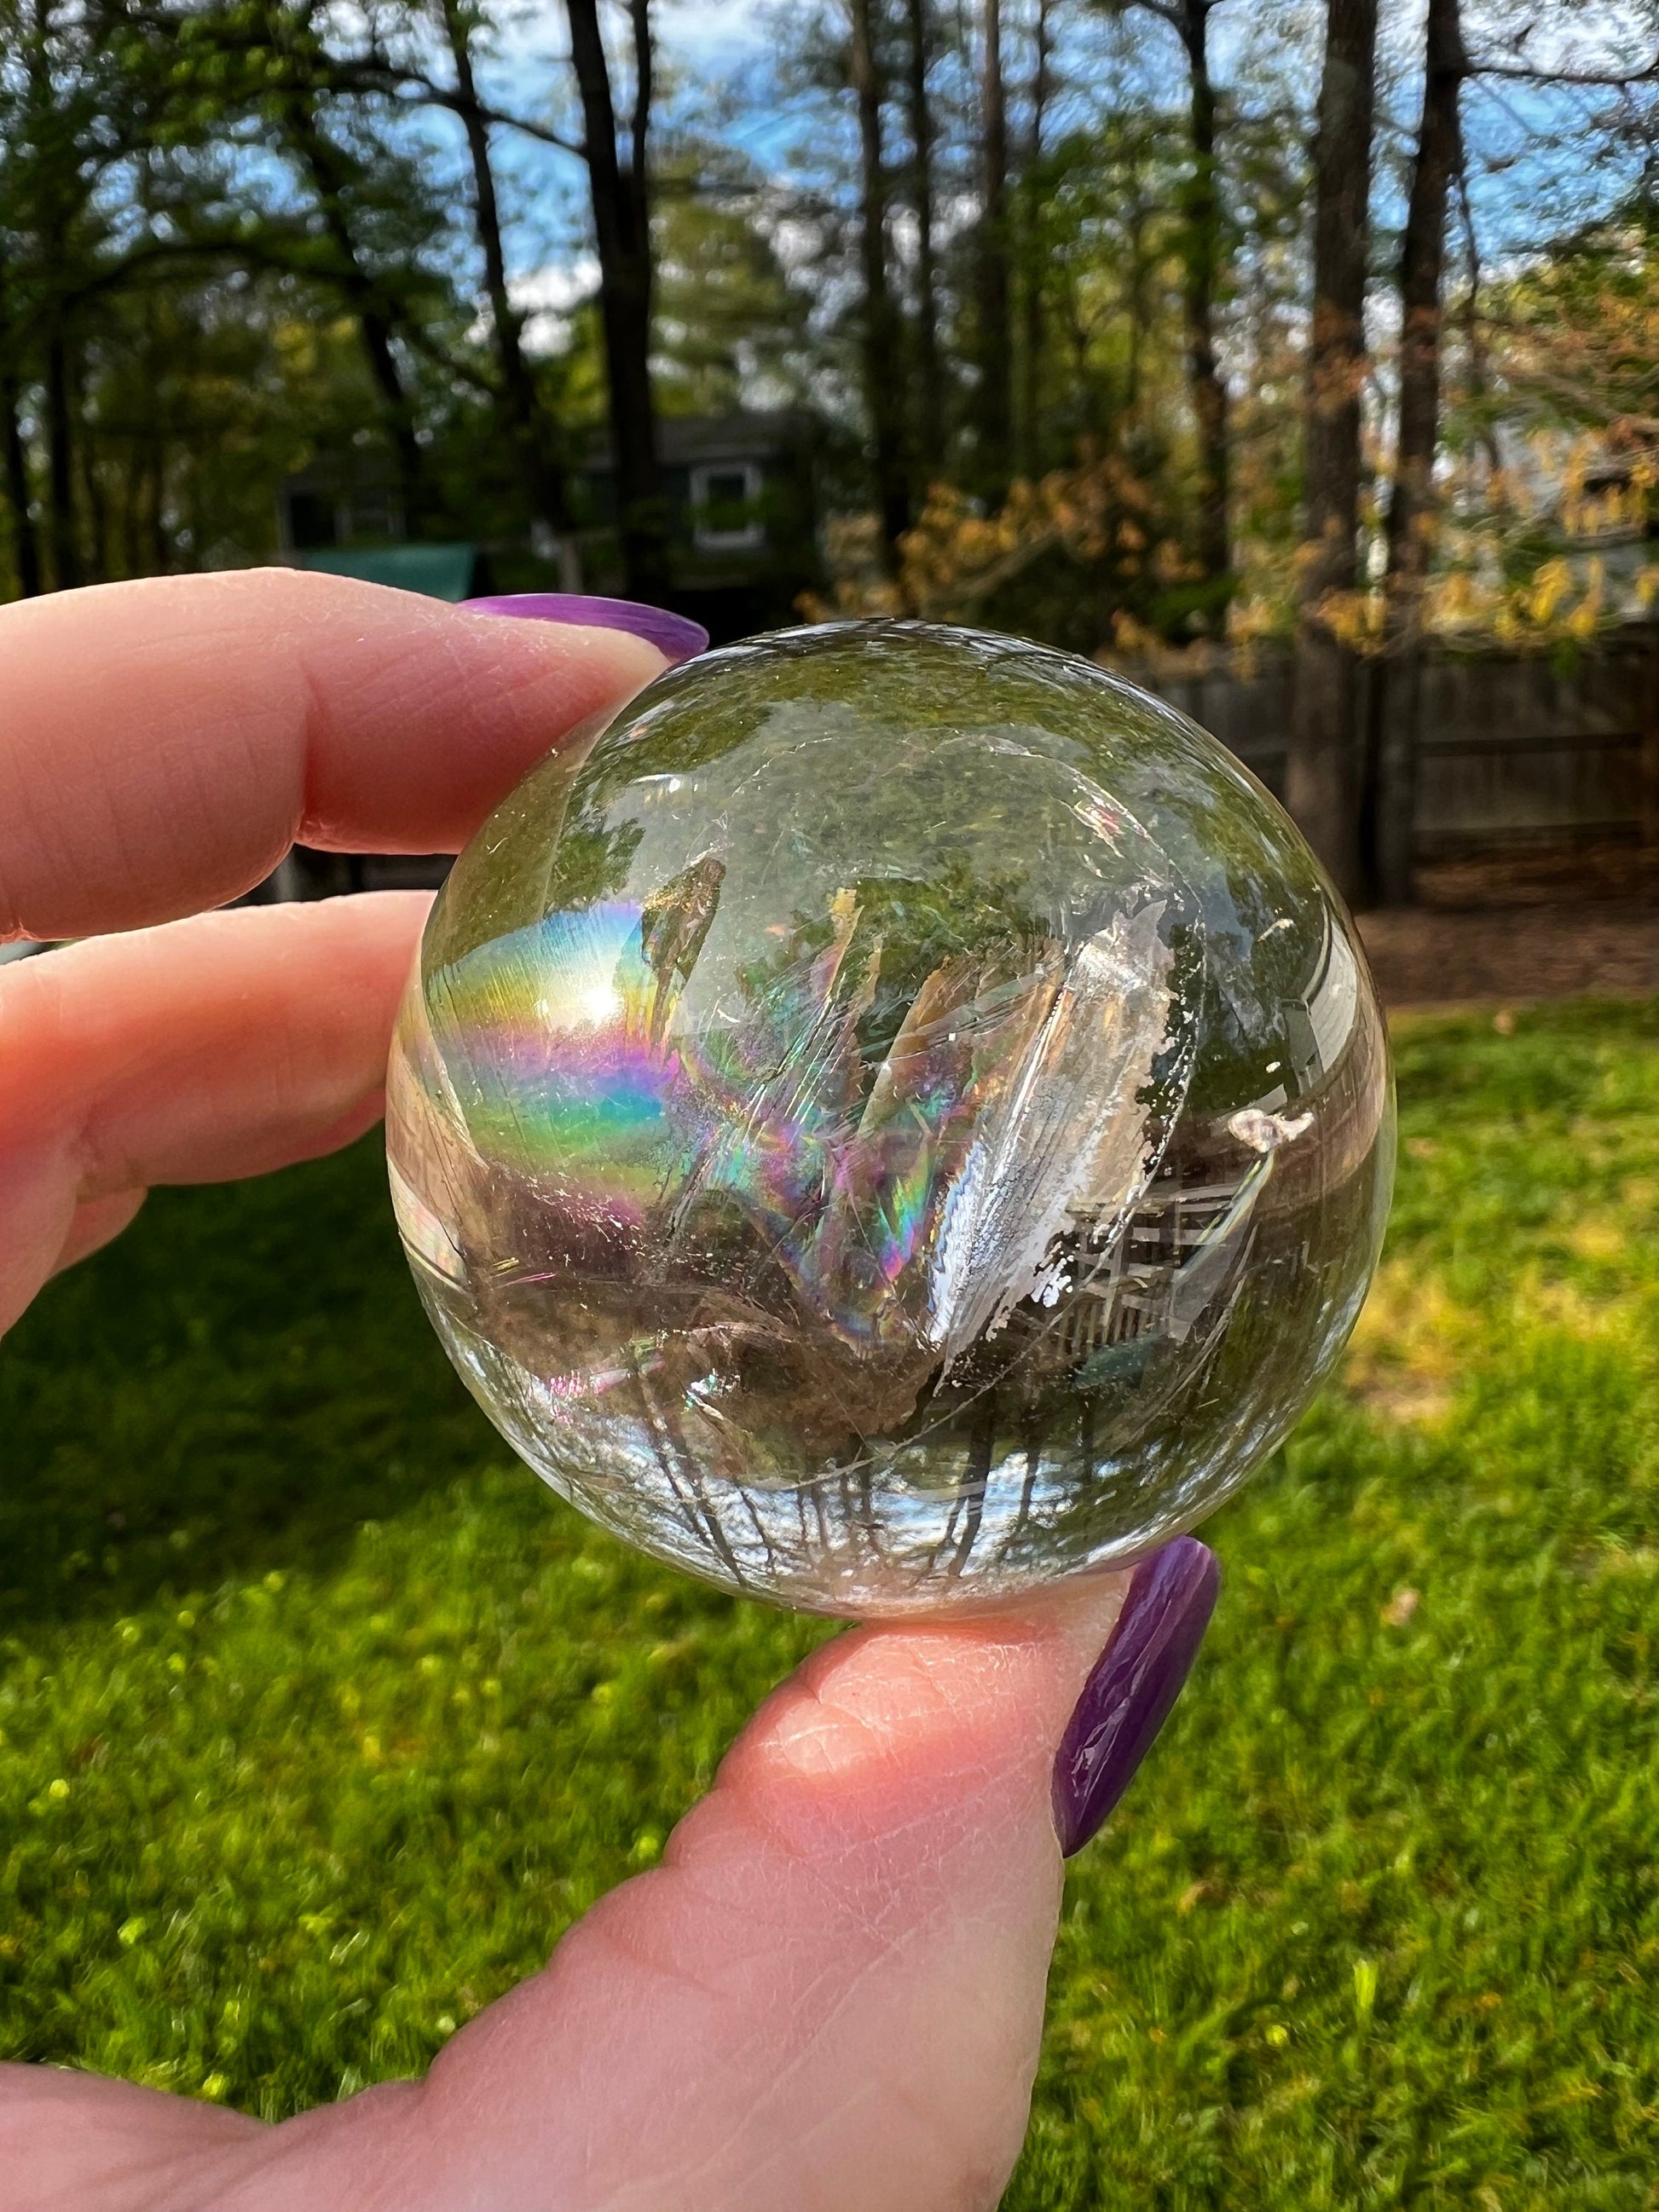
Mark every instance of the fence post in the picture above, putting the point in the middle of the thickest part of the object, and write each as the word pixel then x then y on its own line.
pixel 1648 794
pixel 1399 712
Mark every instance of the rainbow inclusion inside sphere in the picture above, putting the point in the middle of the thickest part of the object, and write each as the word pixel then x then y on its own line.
pixel 896 1117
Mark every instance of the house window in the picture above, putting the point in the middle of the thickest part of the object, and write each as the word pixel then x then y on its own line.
pixel 723 498
pixel 374 514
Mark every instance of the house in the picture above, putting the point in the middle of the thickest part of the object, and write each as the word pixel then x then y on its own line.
pixel 343 513
pixel 740 492
pixel 741 517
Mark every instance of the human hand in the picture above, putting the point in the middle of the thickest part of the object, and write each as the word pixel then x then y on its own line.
pixel 829 1995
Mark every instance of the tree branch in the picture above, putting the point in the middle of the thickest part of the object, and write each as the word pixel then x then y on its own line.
pixel 1520 73
pixel 388 79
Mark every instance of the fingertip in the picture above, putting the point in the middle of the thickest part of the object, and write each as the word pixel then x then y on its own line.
pixel 1132 1686
pixel 896 1719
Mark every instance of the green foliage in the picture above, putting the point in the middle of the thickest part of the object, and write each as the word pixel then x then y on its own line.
pixel 732 328
pixel 223 249
pixel 321 1720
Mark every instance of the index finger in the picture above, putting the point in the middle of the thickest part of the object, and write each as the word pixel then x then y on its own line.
pixel 162 744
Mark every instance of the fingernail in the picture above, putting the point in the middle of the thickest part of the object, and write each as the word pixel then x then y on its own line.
pixel 1135 1681
pixel 673 635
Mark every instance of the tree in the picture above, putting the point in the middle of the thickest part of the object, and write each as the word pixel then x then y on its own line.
pixel 619 187
pixel 526 420
pixel 56 151
pixel 1014 241
pixel 884 355
pixel 1032 272
pixel 1203 256
pixel 363 219
pixel 994 400
pixel 1322 773
pixel 382 59
pixel 1391 799
pixel 14 446
pixel 1105 236
pixel 930 425
pixel 26 545
pixel 333 175
pixel 732 330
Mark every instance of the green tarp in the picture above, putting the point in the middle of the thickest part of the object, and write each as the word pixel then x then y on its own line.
pixel 440 572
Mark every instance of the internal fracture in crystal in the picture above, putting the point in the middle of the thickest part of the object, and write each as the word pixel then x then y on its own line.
pixel 895 1118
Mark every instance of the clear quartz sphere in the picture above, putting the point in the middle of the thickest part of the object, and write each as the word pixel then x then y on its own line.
pixel 897 1117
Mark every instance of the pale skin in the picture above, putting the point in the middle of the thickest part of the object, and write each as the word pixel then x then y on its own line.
pixel 828 1997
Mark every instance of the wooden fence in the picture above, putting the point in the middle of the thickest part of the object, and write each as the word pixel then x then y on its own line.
pixel 1513 751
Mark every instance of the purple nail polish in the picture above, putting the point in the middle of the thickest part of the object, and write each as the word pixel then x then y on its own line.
pixel 1135 1681
pixel 672 635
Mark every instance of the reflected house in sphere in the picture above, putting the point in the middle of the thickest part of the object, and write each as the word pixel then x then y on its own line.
pixel 1171 1267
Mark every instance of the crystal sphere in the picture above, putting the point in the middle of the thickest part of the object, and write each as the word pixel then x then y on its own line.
pixel 896 1117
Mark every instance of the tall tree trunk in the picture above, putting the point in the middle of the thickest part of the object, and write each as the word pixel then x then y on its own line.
pixel 62 529
pixel 1322 771
pixel 527 423
pixel 26 544
pixel 131 482
pixel 884 364
pixel 58 192
pixel 993 410
pixel 622 226
pixel 329 177
pixel 1201 257
pixel 930 425
pixel 1140 313
pixel 96 502
pixel 1411 505
pixel 93 496
pixel 155 507
pixel 1031 273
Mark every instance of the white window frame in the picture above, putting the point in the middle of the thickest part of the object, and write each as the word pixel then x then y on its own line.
pixel 752 536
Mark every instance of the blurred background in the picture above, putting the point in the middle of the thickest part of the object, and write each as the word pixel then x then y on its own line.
pixel 1298 359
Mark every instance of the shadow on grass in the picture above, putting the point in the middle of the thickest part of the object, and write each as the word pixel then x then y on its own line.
pixel 238 1382
pixel 247 1376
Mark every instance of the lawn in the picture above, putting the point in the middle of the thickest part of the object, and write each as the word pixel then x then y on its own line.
pixel 319 1719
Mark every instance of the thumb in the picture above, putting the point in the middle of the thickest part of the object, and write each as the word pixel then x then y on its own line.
pixel 829 1994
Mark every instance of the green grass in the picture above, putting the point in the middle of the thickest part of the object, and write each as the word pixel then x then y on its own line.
pixel 318 1719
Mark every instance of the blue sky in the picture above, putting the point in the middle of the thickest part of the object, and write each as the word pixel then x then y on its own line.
pixel 710 32
pixel 1523 185
pixel 1526 185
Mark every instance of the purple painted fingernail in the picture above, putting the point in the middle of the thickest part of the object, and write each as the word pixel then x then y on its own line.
pixel 673 635
pixel 1135 1681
